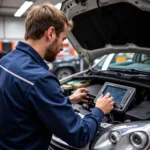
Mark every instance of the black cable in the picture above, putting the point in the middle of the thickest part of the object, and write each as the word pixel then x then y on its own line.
pixel 98 3
pixel 104 31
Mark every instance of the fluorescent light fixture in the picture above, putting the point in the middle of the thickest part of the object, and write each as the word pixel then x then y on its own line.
pixel 23 8
pixel 58 6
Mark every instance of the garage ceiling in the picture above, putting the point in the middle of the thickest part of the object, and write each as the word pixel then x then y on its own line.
pixel 9 7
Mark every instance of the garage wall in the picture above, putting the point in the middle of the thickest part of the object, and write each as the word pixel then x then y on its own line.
pixel 12 29
pixel 1 28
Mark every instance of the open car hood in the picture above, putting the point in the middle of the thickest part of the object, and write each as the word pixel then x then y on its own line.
pixel 108 26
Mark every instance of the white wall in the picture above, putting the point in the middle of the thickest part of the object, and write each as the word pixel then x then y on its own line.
pixel 12 29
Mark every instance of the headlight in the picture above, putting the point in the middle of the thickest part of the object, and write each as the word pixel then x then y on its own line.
pixel 114 136
pixel 126 136
pixel 139 140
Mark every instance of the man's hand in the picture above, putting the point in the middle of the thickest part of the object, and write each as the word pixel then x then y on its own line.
pixel 105 103
pixel 80 95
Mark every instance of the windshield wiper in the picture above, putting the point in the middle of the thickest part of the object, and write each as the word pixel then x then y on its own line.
pixel 131 71
pixel 124 74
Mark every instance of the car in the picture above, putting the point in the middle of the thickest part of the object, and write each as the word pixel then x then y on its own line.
pixel 67 62
pixel 67 65
pixel 118 32
pixel 116 59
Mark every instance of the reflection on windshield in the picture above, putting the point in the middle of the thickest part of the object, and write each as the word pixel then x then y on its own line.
pixel 136 61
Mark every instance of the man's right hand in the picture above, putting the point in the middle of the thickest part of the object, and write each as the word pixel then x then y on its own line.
pixel 105 103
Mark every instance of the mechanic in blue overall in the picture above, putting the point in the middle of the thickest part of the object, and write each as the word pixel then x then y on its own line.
pixel 32 104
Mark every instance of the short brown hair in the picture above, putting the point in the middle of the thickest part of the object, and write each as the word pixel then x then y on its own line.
pixel 41 17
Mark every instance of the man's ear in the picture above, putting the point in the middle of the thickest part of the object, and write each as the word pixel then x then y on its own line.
pixel 51 34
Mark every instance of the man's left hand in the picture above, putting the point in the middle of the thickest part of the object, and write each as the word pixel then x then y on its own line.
pixel 80 95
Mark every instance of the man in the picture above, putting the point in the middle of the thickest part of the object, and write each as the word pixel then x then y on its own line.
pixel 32 105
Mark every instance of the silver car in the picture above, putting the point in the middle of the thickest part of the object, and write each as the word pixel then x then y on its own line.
pixel 117 32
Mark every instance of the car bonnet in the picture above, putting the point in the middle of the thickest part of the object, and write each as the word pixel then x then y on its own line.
pixel 108 26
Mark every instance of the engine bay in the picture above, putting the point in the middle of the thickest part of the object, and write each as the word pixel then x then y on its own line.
pixel 131 102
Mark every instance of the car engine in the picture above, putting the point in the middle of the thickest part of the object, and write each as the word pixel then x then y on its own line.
pixel 128 121
pixel 129 98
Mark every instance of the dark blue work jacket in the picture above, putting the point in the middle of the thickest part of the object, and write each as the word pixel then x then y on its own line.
pixel 33 107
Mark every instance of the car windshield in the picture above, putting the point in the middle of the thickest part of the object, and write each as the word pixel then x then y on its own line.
pixel 138 61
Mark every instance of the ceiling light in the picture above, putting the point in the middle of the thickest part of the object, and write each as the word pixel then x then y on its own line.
pixel 23 8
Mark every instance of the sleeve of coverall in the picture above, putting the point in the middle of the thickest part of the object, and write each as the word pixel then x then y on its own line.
pixel 56 113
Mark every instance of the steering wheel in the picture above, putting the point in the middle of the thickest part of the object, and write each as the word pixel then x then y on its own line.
pixel 146 61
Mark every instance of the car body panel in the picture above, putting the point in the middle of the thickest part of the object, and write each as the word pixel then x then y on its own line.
pixel 104 28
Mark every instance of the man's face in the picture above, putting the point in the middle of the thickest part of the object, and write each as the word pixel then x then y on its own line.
pixel 56 46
